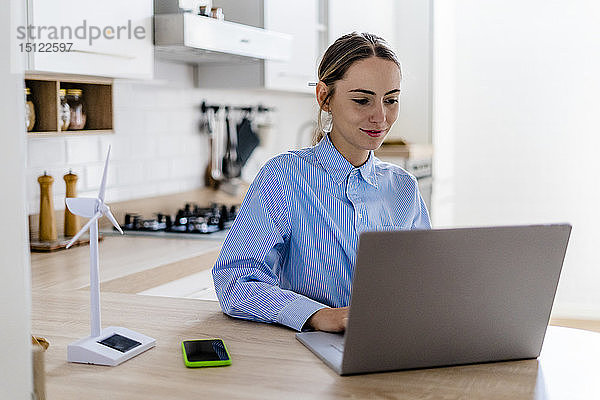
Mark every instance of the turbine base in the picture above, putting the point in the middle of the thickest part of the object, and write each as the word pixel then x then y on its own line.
pixel 113 346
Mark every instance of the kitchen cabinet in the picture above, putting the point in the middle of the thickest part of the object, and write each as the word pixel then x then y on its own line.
pixel 191 38
pixel 110 38
pixel 305 27
pixel 304 21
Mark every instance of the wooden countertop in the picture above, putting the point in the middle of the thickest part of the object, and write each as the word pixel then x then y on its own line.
pixel 124 260
pixel 268 362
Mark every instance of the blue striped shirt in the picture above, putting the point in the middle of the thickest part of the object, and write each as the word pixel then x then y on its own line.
pixel 291 250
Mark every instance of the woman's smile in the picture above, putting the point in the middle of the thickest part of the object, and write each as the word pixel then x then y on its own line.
pixel 374 132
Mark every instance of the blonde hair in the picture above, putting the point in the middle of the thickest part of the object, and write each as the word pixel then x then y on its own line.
pixel 344 52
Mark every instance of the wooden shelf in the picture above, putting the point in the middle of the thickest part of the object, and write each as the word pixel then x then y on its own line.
pixel 82 132
pixel 97 96
pixel 44 95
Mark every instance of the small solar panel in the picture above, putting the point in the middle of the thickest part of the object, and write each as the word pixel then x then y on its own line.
pixel 120 343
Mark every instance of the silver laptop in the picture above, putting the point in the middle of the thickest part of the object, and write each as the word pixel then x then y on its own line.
pixel 441 297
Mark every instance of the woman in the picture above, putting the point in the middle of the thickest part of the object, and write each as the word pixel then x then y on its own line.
pixel 290 254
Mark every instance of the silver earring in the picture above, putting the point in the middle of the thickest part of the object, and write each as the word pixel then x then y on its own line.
pixel 328 123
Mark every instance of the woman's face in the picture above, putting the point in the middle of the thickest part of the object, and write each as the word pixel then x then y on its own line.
pixel 363 108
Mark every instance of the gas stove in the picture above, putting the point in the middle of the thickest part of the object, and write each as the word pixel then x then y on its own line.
pixel 191 220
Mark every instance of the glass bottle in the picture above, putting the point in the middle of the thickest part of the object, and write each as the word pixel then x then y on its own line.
pixel 29 111
pixel 64 111
pixel 77 108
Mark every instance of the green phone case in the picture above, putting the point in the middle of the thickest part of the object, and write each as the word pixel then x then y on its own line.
pixel 196 364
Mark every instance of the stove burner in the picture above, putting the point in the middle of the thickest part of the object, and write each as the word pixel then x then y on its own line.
pixel 190 219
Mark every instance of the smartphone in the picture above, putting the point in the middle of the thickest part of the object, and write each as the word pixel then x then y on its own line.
pixel 205 353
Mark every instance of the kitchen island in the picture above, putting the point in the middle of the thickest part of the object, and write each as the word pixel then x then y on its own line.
pixel 267 360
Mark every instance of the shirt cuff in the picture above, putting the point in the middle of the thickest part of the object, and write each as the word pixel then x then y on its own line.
pixel 296 313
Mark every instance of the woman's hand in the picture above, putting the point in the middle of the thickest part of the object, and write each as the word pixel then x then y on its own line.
pixel 329 319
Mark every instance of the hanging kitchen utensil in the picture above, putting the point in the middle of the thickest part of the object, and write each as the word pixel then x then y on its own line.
pixel 204 125
pixel 247 140
pixel 212 175
pixel 231 166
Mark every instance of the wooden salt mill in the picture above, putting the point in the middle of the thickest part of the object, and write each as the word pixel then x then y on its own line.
pixel 47 222
pixel 71 220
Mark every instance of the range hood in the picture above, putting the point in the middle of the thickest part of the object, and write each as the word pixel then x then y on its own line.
pixel 192 38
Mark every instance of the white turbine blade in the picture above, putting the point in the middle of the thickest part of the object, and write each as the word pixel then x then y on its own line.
pixel 85 228
pixel 84 206
pixel 103 184
pixel 113 220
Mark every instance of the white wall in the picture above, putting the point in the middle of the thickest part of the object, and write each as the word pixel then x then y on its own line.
pixel 516 129
pixel 376 17
pixel 157 148
pixel 15 292
pixel 413 43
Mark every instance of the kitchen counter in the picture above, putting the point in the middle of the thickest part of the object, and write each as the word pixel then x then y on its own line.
pixel 128 264
pixel 267 360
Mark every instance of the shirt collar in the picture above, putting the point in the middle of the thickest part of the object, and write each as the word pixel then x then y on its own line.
pixel 367 170
pixel 338 167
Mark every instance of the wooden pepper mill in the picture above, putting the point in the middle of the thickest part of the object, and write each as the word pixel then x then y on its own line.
pixel 47 222
pixel 71 220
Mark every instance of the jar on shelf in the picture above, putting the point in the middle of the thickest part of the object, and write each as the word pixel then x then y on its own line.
pixel 217 13
pixel 76 108
pixel 29 111
pixel 64 111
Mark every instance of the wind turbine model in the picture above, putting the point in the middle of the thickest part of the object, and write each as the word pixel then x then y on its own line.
pixel 112 345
